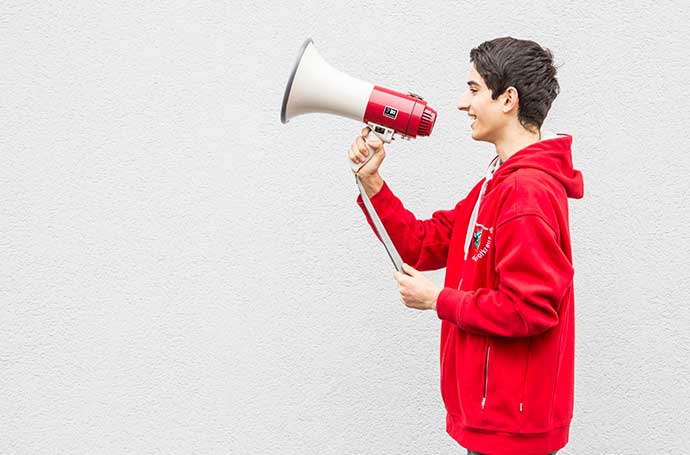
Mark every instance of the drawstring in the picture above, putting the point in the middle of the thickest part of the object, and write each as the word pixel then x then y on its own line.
pixel 495 163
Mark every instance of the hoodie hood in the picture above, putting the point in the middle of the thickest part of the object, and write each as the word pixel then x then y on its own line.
pixel 551 155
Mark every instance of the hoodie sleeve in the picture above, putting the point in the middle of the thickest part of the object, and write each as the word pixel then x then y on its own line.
pixel 421 243
pixel 534 275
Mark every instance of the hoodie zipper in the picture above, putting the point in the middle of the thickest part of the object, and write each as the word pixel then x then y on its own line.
pixel 524 376
pixel 486 375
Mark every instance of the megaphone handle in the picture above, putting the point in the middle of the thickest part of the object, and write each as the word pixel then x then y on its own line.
pixel 378 225
pixel 385 137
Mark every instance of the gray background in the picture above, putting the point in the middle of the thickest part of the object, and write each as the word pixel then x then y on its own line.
pixel 181 273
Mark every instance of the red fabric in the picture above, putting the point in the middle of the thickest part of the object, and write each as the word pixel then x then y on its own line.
pixel 507 333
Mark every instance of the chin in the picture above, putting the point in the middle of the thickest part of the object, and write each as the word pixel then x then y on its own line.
pixel 481 136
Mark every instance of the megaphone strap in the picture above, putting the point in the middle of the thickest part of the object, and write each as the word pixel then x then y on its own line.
pixel 380 230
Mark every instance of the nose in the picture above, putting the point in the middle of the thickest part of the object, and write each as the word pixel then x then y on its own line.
pixel 464 102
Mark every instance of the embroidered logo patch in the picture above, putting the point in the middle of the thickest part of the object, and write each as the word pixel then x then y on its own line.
pixel 482 248
pixel 477 237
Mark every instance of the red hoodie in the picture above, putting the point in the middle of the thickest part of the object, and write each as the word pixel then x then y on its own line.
pixel 507 316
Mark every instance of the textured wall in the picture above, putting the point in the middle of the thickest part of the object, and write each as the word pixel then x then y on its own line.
pixel 181 273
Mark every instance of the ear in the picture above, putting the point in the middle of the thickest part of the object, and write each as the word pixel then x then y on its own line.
pixel 510 99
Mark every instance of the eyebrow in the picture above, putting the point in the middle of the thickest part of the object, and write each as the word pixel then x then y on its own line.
pixel 473 83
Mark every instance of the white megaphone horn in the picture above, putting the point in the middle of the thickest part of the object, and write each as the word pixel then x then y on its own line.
pixel 315 86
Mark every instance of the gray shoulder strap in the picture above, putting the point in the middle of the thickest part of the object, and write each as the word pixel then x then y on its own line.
pixel 378 225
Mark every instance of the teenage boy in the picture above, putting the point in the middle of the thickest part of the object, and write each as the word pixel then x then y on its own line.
pixel 506 308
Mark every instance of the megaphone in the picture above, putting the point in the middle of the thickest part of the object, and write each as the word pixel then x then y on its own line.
pixel 316 87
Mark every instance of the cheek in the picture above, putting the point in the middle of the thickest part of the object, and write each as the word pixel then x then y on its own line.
pixel 477 108
pixel 485 114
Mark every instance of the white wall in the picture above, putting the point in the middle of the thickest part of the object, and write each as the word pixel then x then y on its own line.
pixel 182 273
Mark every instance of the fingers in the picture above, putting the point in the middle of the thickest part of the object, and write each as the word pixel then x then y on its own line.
pixel 361 147
pixel 358 151
pixel 409 269
pixel 355 155
pixel 401 278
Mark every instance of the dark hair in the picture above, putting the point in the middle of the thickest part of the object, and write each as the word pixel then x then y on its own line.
pixel 525 65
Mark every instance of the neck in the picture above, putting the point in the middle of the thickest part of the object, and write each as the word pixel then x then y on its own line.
pixel 514 140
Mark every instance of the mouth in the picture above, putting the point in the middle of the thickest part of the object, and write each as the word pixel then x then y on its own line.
pixel 474 119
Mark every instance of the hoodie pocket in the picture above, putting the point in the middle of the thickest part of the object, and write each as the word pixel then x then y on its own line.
pixel 499 397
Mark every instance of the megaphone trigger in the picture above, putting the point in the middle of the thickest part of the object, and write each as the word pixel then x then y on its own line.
pixel 383 133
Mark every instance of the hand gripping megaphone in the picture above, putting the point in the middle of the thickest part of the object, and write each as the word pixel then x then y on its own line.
pixel 315 86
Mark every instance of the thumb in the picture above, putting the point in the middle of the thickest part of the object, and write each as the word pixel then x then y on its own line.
pixel 374 143
pixel 410 270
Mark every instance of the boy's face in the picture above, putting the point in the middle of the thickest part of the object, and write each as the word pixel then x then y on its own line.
pixel 489 118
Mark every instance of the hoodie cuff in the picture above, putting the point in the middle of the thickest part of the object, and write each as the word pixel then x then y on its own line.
pixel 448 305
pixel 382 201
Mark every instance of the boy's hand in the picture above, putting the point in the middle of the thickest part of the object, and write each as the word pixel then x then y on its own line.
pixel 358 153
pixel 416 290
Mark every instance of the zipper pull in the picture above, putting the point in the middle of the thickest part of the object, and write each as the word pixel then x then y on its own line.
pixel 483 402
pixel 520 407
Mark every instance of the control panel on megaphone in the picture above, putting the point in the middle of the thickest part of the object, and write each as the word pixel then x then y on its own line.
pixel 316 87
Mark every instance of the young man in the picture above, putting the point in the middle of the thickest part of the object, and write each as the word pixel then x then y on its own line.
pixel 506 308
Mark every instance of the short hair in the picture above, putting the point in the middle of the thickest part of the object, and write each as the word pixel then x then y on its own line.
pixel 525 65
